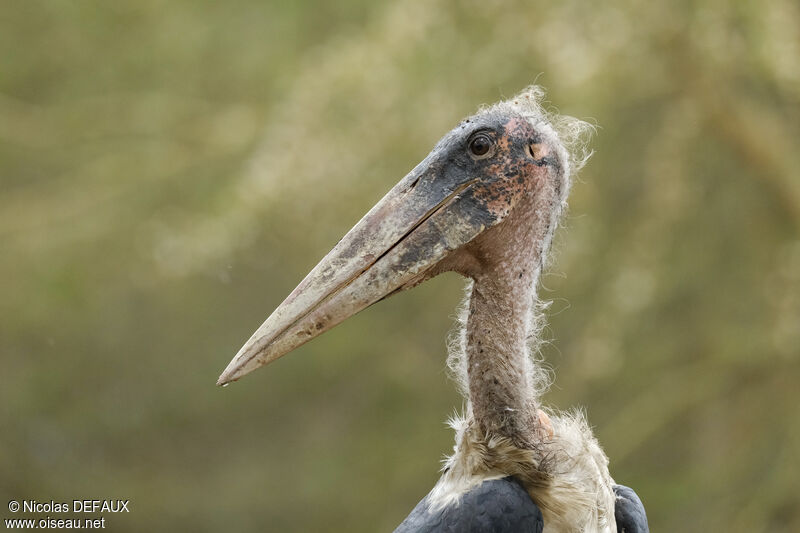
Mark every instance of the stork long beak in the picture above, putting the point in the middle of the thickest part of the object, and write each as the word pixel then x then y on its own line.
pixel 427 215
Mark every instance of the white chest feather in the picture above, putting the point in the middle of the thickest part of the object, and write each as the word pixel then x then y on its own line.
pixel 567 477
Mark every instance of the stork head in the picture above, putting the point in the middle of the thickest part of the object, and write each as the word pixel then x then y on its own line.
pixel 489 166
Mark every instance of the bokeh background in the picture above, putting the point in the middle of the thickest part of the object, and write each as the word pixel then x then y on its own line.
pixel 169 170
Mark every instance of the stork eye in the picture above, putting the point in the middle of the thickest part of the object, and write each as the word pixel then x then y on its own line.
pixel 480 145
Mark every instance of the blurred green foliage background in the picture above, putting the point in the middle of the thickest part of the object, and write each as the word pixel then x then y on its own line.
pixel 169 170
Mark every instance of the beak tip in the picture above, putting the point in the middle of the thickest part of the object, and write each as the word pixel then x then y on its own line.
pixel 232 373
pixel 242 364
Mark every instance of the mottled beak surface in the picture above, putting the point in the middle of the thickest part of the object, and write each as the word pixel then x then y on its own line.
pixel 468 183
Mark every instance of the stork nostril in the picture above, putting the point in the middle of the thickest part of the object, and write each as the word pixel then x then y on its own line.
pixel 536 150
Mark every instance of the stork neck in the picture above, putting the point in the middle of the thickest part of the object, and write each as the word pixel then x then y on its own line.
pixel 500 372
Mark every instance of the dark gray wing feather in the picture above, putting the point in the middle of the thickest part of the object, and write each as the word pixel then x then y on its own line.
pixel 496 506
pixel 629 511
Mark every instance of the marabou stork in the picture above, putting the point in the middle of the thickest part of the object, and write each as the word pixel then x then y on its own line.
pixel 484 203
